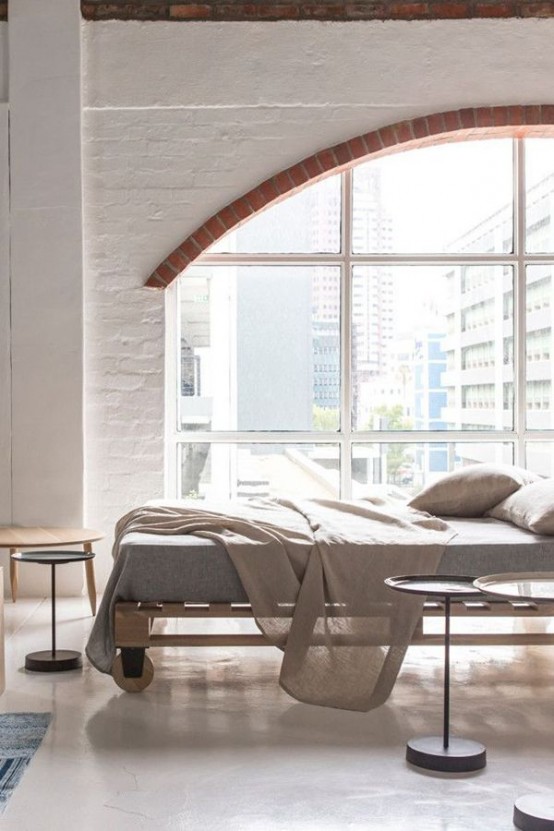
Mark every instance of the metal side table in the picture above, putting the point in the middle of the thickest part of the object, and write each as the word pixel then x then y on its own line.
pixel 443 753
pixel 53 660
pixel 532 812
pixel 16 537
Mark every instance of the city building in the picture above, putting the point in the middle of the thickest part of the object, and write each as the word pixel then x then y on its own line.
pixel 479 345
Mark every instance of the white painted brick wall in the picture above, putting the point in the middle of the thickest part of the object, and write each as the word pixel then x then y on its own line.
pixel 183 118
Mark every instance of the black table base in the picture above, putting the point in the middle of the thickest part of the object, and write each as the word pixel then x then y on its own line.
pixel 58 661
pixel 54 659
pixel 461 755
pixel 442 753
pixel 534 812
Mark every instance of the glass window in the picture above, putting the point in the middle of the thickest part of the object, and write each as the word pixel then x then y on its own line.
pixel 450 198
pixel 403 354
pixel 539 457
pixel 240 471
pixel 308 222
pixel 403 468
pixel 539 348
pixel 539 165
pixel 440 369
pixel 260 348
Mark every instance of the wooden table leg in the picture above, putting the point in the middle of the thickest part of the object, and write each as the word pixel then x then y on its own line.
pixel 13 574
pixel 91 583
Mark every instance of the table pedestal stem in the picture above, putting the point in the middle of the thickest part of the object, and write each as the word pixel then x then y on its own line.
pixel 446 715
pixel 446 754
pixel 53 602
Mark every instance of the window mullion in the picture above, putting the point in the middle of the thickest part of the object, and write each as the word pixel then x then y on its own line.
pixel 462 258
pixel 346 340
pixel 520 323
pixel 172 390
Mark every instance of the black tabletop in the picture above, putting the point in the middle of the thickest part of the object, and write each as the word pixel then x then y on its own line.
pixel 434 584
pixel 52 558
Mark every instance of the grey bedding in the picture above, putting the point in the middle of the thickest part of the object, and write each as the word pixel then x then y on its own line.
pixel 187 568
pixel 195 569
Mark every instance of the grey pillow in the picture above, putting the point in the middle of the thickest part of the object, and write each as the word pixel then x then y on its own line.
pixel 472 490
pixel 531 507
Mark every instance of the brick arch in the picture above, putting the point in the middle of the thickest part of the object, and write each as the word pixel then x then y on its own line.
pixel 456 125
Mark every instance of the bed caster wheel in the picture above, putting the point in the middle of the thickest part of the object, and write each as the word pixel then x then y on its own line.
pixel 133 684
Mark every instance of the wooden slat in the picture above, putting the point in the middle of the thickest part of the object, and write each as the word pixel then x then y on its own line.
pixel 486 608
pixel 525 604
pixel 208 640
pixel 189 610
pixel 476 605
pixel 133 624
pixel 419 639
pixel 488 639
pixel 492 610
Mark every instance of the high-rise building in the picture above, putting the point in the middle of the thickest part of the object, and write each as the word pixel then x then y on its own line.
pixel 479 347
pixel 372 295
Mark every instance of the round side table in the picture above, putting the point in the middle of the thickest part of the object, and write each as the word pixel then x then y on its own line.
pixel 16 537
pixel 443 753
pixel 53 660
pixel 532 812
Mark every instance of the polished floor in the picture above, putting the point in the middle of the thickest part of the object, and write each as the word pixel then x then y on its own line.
pixel 214 743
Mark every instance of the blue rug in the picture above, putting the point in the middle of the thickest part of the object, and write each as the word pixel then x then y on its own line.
pixel 20 736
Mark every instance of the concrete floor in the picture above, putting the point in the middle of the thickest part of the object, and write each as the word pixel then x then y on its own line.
pixel 215 743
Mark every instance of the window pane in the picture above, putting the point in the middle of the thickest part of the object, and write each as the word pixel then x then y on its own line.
pixel 260 348
pixel 432 348
pixel 231 471
pixel 403 469
pixel 308 222
pixel 448 198
pixel 539 347
pixel 539 166
pixel 539 457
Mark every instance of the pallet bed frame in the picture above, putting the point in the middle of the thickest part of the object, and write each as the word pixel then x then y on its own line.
pixel 133 670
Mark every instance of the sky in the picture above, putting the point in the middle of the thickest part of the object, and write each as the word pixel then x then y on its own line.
pixel 438 193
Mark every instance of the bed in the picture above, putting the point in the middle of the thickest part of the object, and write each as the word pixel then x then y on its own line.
pixel 157 577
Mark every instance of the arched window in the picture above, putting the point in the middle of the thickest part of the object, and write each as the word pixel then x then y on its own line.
pixel 372 332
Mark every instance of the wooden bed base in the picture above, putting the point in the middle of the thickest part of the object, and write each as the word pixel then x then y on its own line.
pixel 135 632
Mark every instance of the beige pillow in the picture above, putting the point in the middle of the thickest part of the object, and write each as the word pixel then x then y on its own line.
pixel 471 490
pixel 531 507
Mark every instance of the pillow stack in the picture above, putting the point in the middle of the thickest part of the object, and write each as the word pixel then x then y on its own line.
pixel 474 490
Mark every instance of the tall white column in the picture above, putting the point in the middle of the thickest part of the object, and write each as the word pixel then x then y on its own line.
pixel 46 262
pixel 5 327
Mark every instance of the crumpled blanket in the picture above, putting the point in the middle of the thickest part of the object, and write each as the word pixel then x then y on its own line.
pixel 313 571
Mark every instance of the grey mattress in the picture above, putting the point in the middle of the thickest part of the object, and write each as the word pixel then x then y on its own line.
pixel 189 568
pixel 186 568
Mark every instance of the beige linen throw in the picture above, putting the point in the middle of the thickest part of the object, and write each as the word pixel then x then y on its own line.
pixel 313 571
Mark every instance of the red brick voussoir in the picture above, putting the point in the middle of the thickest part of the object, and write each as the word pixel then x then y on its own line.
pixel 457 125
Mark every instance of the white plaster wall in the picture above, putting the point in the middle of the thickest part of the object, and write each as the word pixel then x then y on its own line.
pixel 182 118
pixel 5 330
pixel 3 61
pixel 5 324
